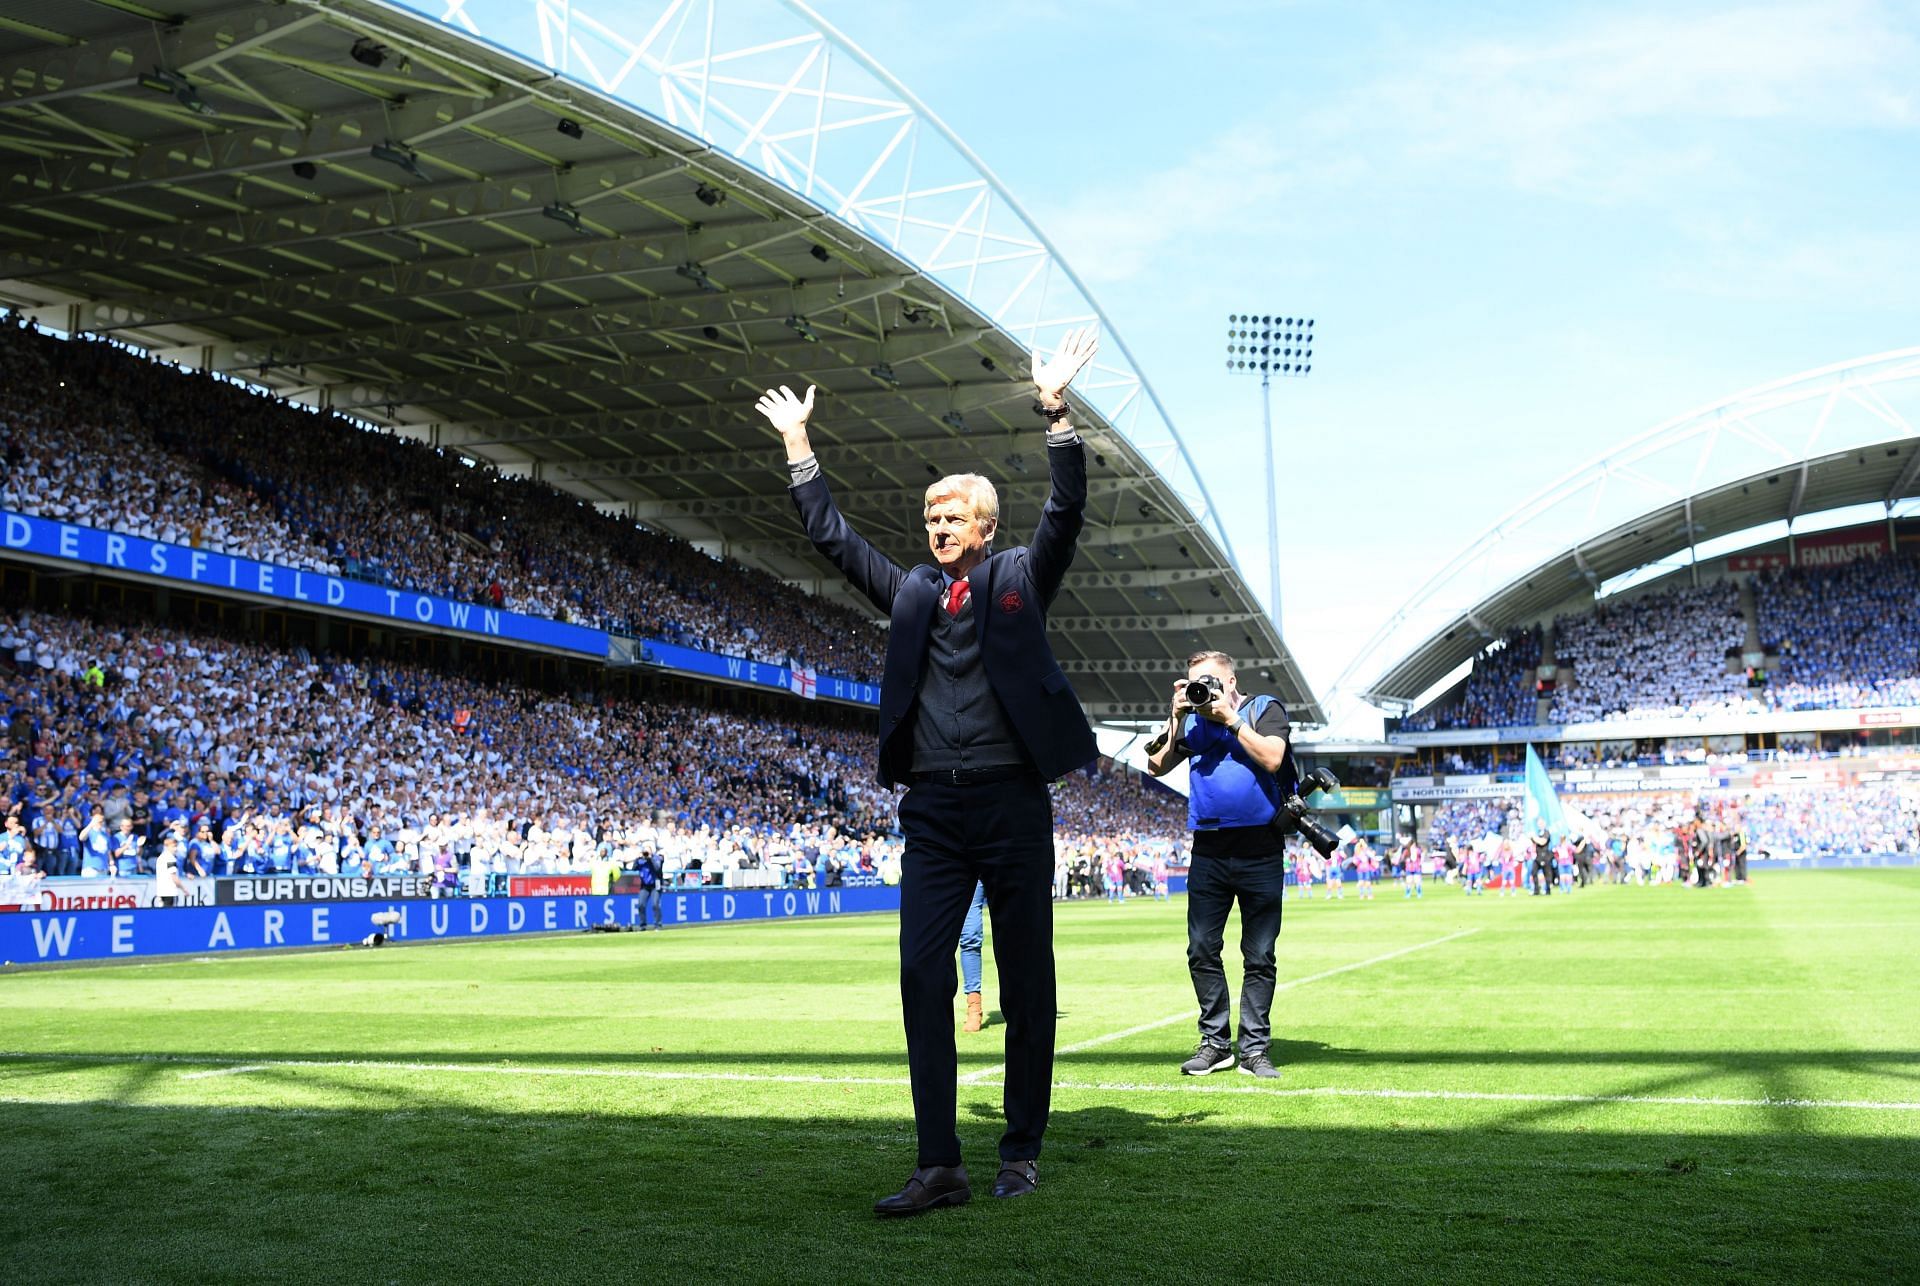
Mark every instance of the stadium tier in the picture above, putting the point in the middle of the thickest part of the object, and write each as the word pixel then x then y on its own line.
pixel 295 763
pixel 95 435
pixel 1827 637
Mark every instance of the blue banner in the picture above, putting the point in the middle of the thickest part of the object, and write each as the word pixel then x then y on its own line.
pixel 42 937
pixel 765 674
pixel 190 566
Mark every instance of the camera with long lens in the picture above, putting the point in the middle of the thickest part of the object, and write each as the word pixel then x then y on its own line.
pixel 1293 818
pixel 1201 692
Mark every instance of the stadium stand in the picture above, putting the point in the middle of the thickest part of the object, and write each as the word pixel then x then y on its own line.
pixel 1845 636
pixel 1499 691
pixel 321 764
pixel 91 433
pixel 1655 656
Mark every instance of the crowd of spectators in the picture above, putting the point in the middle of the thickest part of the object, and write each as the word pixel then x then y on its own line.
pixel 1499 691
pixel 1660 655
pixel 1845 636
pixel 1810 820
pixel 91 433
pixel 329 765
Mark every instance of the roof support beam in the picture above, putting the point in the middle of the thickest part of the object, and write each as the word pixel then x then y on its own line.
pixel 1793 503
pixel 189 158
pixel 1903 486
pixel 117 62
pixel 426 207
pixel 582 384
pixel 562 321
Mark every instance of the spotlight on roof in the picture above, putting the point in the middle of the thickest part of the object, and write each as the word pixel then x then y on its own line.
pixel 698 276
pixel 709 195
pixel 884 373
pixel 368 53
pixel 820 252
pixel 986 364
pixel 1016 462
pixel 305 170
pixel 560 212
pixel 798 325
pixel 955 421
pixel 404 157
pixel 571 128
pixel 711 332
pixel 162 81
pixel 912 315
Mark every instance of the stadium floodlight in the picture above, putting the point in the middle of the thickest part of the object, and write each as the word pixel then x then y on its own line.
pixel 571 128
pixel 162 81
pixel 799 326
pixel 820 252
pixel 955 421
pixel 884 373
pixel 709 195
pixel 698 276
pixel 404 157
pixel 1271 346
pixel 560 212
pixel 368 52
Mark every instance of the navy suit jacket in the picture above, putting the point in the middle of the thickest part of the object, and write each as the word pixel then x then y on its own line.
pixel 1010 592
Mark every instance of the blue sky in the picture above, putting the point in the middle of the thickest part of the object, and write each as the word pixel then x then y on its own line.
pixel 1526 232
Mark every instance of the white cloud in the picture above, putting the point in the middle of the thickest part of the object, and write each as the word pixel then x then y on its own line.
pixel 1619 105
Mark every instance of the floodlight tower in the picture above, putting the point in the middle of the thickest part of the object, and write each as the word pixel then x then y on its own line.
pixel 1272 346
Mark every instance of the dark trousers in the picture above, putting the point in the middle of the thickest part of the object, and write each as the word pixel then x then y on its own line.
pixel 1213 885
pixel 1000 835
pixel 1542 877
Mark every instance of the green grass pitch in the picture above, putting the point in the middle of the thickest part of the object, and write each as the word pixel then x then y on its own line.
pixel 1627 1084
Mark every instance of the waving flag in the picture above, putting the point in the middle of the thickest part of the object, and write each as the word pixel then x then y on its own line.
pixel 1541 804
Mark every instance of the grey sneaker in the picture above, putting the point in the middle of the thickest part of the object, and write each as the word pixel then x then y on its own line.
pixel 1259 1066
pixel 1208 1058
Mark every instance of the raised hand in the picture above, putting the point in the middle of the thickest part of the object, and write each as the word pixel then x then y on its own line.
pixel 786 412
pixel 1050 378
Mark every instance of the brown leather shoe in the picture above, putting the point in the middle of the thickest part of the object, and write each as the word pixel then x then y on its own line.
pixel 1016 1178
pixel 931 1187
pixel 976 1015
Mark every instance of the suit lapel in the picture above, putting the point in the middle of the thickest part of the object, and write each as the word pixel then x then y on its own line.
pixel 982 595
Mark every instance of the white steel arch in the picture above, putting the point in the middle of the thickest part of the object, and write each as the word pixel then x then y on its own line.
pixel 1780 425
pixel 774 85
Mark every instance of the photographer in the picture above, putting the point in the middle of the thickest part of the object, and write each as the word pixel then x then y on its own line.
pixel 1240 771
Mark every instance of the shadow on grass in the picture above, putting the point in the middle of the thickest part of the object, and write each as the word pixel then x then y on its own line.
pixel 111 1192
pixel 1901 1063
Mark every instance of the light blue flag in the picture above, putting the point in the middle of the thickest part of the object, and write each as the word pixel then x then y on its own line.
pixel 1541 804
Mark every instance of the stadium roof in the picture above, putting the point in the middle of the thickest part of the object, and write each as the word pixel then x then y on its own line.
pixel 1862 411
pixel 368 210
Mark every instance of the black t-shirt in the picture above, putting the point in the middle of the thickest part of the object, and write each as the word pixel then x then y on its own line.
pixel 1243 841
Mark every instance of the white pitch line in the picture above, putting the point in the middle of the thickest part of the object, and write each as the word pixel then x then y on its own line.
pixel 1184 1086
pixel 241 1070
pixel 1188 1015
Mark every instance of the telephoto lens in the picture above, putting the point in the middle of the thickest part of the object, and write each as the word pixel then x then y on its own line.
pixel 1202 691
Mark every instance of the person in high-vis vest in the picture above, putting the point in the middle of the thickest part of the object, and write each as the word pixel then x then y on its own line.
pixel 1240 767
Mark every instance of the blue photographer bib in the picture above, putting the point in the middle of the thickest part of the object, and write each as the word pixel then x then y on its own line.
pixel 1224 786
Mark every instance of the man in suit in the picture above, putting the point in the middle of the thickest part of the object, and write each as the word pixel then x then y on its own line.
pixel 976 718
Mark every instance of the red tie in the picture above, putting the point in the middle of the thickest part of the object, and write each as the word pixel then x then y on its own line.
pixel 957 597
